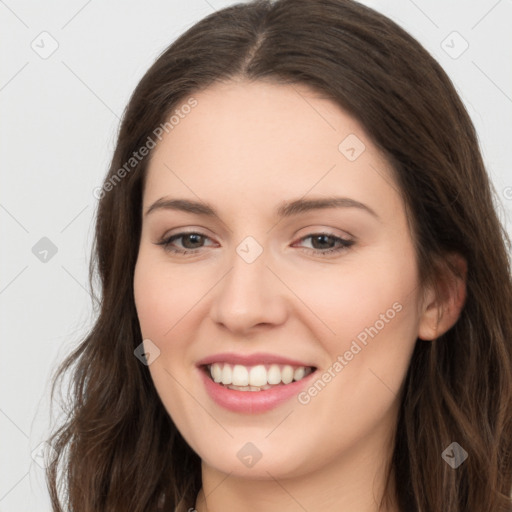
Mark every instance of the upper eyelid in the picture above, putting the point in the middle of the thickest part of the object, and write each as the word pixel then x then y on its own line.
pixel 182 234
pixel 327 232
pixel 311 231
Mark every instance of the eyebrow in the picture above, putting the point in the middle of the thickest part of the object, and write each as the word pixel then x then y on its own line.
pixel 284 209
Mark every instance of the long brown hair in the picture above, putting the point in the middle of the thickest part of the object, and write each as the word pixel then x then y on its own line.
pixel 118 449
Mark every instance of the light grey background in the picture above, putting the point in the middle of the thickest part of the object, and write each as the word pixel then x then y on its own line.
pixel 59 118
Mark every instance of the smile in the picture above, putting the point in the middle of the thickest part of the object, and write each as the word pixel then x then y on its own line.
pixel 256 378
pixel 254 383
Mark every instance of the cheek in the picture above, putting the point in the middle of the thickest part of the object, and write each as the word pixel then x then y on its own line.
pixel 161 298
pixel 162 301
pixel 373 314
pixel 361 296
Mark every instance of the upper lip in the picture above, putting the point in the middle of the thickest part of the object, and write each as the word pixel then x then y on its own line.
pixel 250 359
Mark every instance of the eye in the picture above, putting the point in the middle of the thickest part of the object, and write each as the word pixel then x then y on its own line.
pixel 191 246
pixel 193 241
pixel 323 239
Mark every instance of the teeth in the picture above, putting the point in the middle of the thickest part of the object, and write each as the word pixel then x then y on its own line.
pixel 274 374
pixel 216 372
pixel 287 374
pixel 227 374
pixel 258 376
pixel 240 375
pixel 255 378
pixel 299 373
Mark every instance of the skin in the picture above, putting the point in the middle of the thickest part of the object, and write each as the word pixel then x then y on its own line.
pixel 244 149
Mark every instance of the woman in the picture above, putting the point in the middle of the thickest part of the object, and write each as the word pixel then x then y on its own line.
pixel 238 362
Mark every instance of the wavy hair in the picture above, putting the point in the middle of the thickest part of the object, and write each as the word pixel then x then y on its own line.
pixel 118 450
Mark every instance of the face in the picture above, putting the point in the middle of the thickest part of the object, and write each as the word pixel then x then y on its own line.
pixel 264 284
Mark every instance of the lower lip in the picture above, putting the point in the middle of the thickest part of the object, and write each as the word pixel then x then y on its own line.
pixel 252 402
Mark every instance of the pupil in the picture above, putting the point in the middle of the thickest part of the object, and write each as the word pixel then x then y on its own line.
pixel 192 236
pixel 322 237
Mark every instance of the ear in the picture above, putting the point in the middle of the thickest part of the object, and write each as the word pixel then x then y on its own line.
pixel 441 310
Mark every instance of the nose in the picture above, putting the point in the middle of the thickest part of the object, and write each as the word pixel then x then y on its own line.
pixel 249 296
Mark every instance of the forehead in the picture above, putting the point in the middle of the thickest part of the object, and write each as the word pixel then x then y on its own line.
pixel 251 115
pixel 260 141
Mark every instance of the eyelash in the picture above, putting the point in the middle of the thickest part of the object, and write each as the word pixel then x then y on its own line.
pixel 345 244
